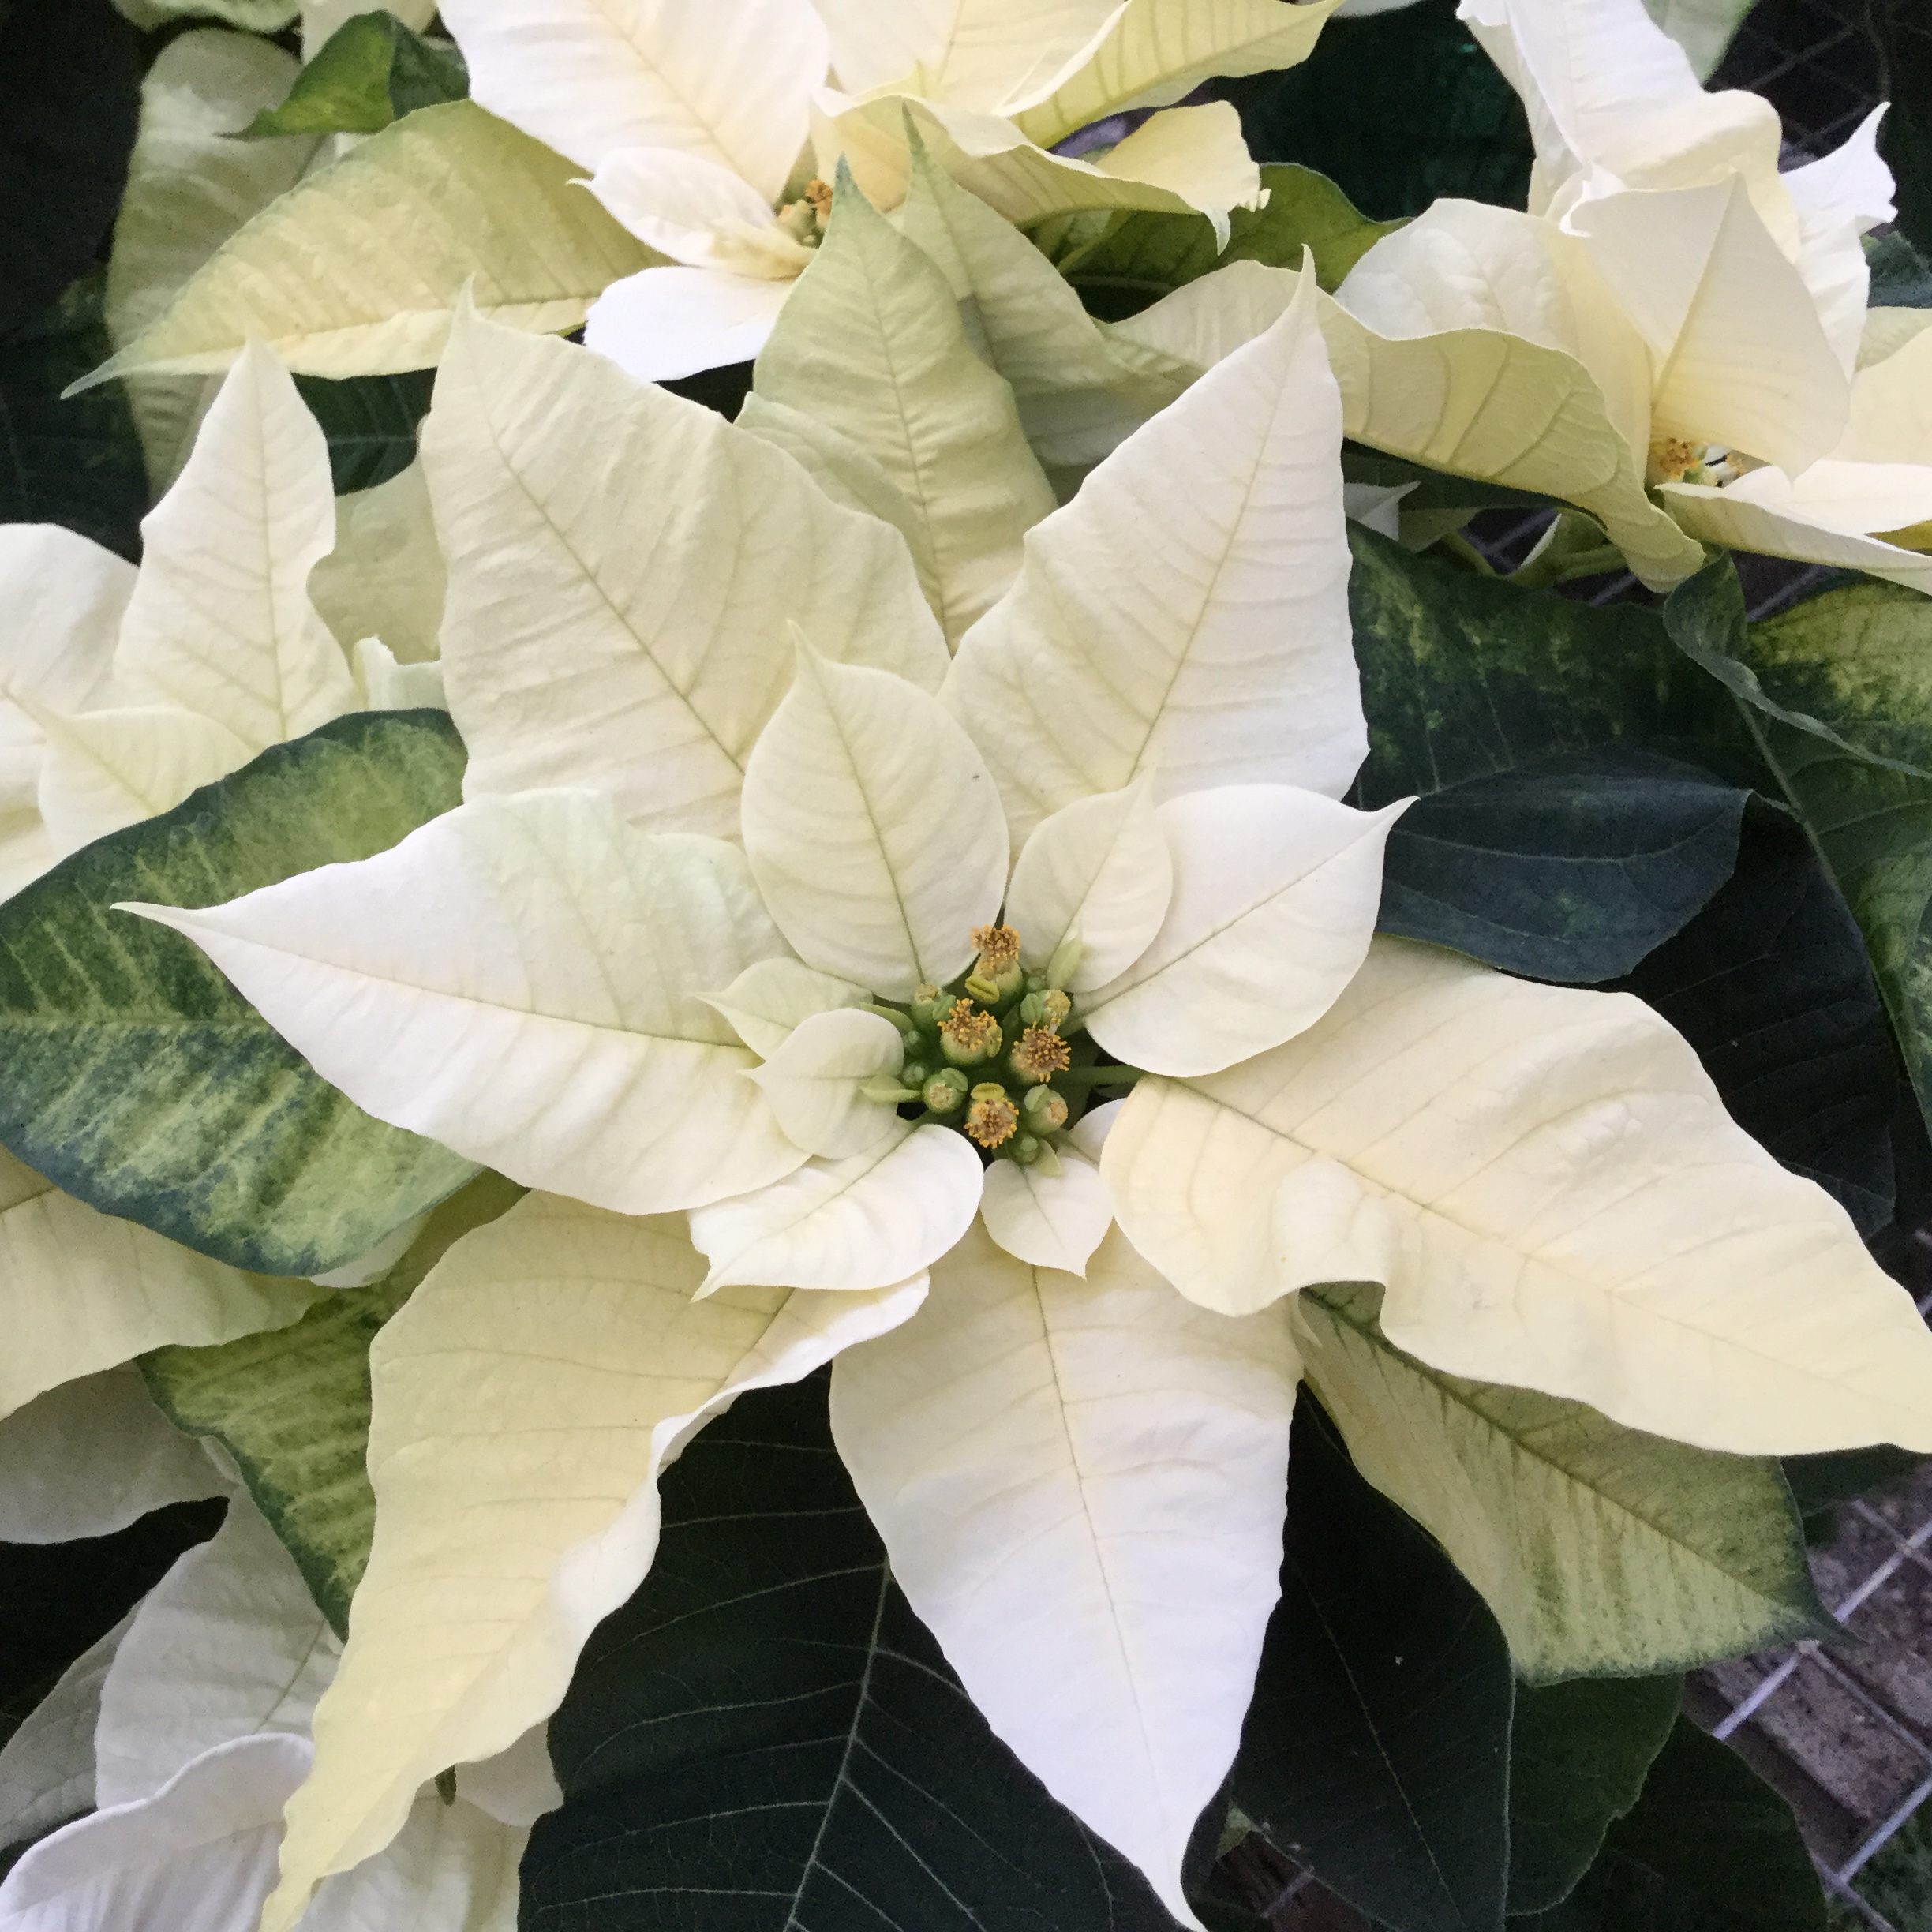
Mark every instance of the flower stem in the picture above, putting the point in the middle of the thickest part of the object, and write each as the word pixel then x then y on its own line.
pixel 1097 1077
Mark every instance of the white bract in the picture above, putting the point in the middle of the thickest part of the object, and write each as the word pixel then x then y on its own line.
pixel 1711 308
pixel 788 985
pixel 125 690
pixel 695 128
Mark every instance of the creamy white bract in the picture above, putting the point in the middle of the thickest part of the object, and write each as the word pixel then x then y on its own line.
pixel 783 958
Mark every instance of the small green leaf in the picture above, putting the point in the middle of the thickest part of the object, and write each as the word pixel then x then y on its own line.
pixel 1122 261
pixel 78 462
pixel 1399 108
pixel 1376 1750
pixel 292 1406
pixel 1578 1752
pixel 371 71
pixel 141 1082
pixel 1600 1550
pixel 370 423
pixel 766 1736
pixel 1707 1848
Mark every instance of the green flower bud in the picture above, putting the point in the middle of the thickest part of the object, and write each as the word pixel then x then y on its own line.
pixel 969 1037
pixel 946 1091
pixel 1024 1150
pixel 1043 1111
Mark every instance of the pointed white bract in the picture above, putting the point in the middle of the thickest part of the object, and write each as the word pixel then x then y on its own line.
pixel 624 566
pixel 1551 1189
pixel 519 979
pixel 1081 1486
pixel 1222 656
pixel 46 1767
pixel 873 828
pixel 863 1223
pixel 772 998
pixel 665 324
pixel 1048 1218
pixel 813 1079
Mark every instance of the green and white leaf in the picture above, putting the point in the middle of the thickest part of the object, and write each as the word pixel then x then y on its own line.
pixel 138 1075
pixel 1600 1550
pixel 1466 1139
pixel 598 1366
pixel 607 526
pixel 1027 1426
pixel 371 71
pixel 359 270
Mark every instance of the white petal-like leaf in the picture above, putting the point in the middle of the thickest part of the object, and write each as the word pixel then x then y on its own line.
pixel 452 1868
pixel 1275 893
pixel 1892 393
pixel 813 1080
pixel 90 1456
pixel 1048 1220
pixel 84 1291
pixel 576 1331
pixel 585 78
pixel 870 342
pixel 873 828
pixel 622 565
pixel 220 622
pixel 697 212
pixel 382 684
pixel 46 1767
pixel 664 323
pixel 771 996
pixel 1080 1485
pixel 64 595
pixel 228 1644
pixel 1549 1187
pixel 973 51
pixel 385 578
pixel 1100 870
pixel 520 980
pixel 1222 655
pixel 863 1223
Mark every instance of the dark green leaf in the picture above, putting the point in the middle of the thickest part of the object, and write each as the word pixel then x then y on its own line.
pixel 764 1736
pixel 370 423
pixel 77 463
pixel 141 1081
pixel 1398 109
pixel 371 71
pixel 1570 867
pixel 1707 1848
pixel 1820 1482
pixel 59 1599
pixel 1122 262
pixel 69 96
pixel 1578 1752
pixel 1900 276
pixel 292 1406
pixel 1838 692
pixel 1376 1750
pixel 1905 136
pixel 1435 489
pixel 1771 984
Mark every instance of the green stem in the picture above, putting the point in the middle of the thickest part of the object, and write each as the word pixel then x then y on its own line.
pixel 1097 1077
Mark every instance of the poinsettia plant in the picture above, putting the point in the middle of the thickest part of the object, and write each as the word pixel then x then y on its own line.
pixel 907 1115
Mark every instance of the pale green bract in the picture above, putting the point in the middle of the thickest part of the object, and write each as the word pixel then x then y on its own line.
pixel 688 983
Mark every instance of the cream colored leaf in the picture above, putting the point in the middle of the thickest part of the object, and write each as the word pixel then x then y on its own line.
pixel 83 1291
pixel 1742 358
pixel 521 980
pixel 1156 51
pixel 228 1644
pixel 1206 320
pixel 89 1457
pixel 46 1767
pixel 577 1331
pixel 665 324
pixel 1841 198
pixel 385 578
pixel 873 828
pixel 622 566
pixel 813 1083
pixel 772 996
pixel 189 187
pixel 973 52
pixel 220 622
pixel 1481 403
pixel 108 768
pixel 1081 1487
pixel 320 18
pixel 1886 332
pixel 1765 512
pixel 697 211
pixel 1222 655
pixel 1275 893
pixel 382 684
pixel 1549 1187
pixel 1100 871
pixel 1892 404
pixel 453 1868
pixel 871 342
pixel 863 1223
pixel 357 271
pixel 589 76
pixel 1048 1219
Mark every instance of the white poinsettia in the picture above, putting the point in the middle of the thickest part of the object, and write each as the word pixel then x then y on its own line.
pixel 786 981
pixel 1710 309
pixel 125 690
pixel 695 126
